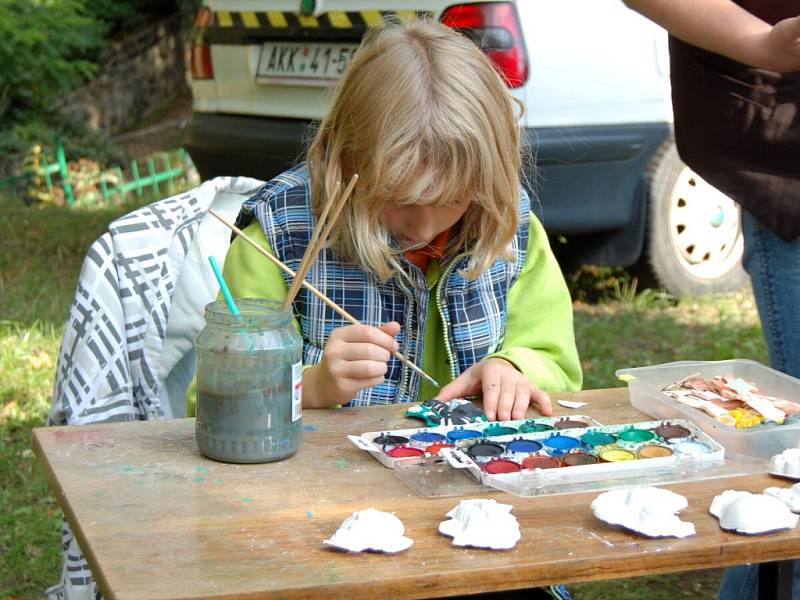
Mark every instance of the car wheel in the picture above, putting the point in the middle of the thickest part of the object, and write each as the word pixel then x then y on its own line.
pixel 694 240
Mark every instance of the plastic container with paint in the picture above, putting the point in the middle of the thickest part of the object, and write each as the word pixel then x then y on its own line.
pixel 761 441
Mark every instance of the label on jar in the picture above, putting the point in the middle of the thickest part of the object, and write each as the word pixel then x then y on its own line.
pixel 297 391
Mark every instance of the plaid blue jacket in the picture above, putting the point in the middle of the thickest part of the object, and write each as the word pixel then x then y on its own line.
pixel 473 311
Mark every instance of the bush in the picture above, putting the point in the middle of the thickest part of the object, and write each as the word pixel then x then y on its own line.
pixel 49 48
pixel 45 50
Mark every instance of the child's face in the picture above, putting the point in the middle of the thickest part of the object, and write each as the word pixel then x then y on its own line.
pixel 414 226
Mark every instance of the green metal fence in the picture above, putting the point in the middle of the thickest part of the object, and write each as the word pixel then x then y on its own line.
pixel 159 169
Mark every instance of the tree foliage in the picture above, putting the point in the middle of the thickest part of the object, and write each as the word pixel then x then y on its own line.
pixel 46 49
pixel 51 47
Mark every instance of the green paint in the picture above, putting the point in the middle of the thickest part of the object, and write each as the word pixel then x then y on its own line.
pixel 341 463
pixel 201 469
pixel 494 430
pixel 247 500
pixel 636 435
pixel 532 426
pixel 198 478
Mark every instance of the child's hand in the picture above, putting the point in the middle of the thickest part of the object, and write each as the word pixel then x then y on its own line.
pixel 355 357
pixel 506 392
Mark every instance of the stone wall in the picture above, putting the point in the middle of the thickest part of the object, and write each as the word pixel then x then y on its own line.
pixel 138 74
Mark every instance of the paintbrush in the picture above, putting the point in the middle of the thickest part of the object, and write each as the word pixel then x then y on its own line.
pixel 319 236
pixel 336 308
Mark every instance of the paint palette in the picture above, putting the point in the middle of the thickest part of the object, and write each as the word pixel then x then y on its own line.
pixel 389 447
pixel 526 463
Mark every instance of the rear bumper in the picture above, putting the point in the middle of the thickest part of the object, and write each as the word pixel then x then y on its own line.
pixel 586 179
pixel 258 147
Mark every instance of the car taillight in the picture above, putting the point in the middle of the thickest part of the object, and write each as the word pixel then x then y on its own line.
pixel 495 27
pixel 202 67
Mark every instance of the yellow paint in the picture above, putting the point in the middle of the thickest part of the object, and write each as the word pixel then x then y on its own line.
pixel 617 455
pixel 224 19
pixel 407 15
pixel 339 19
pixel 250 19
pixel 744 418
pixel 308 21
pixel 276 19
pixel 372 18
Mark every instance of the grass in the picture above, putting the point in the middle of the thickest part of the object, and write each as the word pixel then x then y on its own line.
pixel 41 250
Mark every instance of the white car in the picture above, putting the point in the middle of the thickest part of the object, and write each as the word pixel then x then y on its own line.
pixel 592 74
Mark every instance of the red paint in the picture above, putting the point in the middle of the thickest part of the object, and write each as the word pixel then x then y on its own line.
pixel 436 446
pixel 404 452
pixel 501 465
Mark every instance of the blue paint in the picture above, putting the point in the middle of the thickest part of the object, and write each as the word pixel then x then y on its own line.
pixel 310 427
pixel 523 446
pixel 309 514
pixel 463 434
pixel 427 437
pixel 561 442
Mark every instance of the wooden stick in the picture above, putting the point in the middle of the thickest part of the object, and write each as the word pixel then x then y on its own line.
pixel 336 308
pixel 305 262
pixel 319 237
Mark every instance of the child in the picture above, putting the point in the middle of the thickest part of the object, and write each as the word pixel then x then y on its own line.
pixel 436 252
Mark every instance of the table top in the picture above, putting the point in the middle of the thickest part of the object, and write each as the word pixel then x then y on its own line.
pixel 156 519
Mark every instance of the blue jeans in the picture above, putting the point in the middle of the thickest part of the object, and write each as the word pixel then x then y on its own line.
pixel 774 269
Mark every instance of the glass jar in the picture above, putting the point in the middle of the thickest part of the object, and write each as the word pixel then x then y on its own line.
pixel 249 373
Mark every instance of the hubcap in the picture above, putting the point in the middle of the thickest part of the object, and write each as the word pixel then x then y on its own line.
pixel 704 227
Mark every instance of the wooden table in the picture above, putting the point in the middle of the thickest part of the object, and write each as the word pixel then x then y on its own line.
pixel 158 520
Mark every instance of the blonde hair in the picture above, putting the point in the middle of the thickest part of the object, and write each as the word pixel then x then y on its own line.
pixel 423 118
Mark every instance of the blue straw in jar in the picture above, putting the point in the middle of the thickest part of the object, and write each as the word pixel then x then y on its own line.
pixel 226 293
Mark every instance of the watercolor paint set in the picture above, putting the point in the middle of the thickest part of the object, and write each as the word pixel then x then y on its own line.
pixel 523 463
pixel 390 447
pixel 546 455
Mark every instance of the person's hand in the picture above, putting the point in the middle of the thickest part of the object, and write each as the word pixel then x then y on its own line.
pixel 782 46
pixel 506 392
pixel 355 357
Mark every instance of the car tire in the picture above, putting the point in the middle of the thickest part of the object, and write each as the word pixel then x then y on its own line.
pixel 694 239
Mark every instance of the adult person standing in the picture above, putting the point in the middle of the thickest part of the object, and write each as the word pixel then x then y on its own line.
pixel 735 72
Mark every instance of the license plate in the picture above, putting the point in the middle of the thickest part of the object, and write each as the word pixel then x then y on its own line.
pixel 315 64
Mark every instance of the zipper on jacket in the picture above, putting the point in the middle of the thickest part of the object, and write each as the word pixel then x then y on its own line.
pixel 445 318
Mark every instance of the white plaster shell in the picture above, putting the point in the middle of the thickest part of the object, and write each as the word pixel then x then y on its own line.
pixel 372 530
pixel 646 510
pixel 786 464
pixel 789 496
pixel 483 524
pixel 752 514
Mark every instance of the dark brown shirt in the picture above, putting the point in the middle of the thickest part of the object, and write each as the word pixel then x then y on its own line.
pixel 739 127
pixel 771 11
